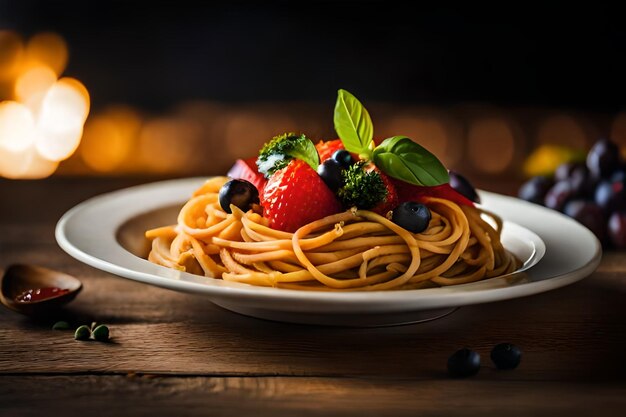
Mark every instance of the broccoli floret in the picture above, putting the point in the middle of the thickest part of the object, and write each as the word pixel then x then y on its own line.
pixel 361 188
pixel 277 153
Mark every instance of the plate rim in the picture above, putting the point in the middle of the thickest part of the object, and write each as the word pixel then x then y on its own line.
pixel 342 301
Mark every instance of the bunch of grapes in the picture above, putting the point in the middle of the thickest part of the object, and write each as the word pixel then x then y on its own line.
pixel 592 192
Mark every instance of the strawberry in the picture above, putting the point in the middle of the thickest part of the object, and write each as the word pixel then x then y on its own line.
pixel 295 195
pixel 328 148
pixel 246 169
pixel 410 192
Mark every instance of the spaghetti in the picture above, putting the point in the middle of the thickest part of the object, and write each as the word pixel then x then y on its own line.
pixel 354 250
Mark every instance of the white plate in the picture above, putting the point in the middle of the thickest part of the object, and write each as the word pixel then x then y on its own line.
pixel 103 231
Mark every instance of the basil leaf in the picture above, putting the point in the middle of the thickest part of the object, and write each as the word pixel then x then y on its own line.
pixel 405 160
pixel 353 124
pixel 277 153
pixel 307 152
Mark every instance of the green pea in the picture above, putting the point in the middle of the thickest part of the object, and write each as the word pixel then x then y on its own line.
pixel 82 333
pixel 61 325
pixel 101 333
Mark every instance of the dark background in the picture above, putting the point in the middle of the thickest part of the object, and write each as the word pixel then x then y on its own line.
pixel 152 54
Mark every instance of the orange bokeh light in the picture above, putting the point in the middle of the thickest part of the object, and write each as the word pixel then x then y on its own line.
pixel 31 86
pixel 109 138
pixel 11 54
pixel 491 144
pixel 563 130
pixel 49 49
pixel 432 130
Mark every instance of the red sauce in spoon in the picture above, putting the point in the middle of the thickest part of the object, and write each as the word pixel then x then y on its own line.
pixel 39 294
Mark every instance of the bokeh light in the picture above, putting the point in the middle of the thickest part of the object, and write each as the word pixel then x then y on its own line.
pixel 491 144
pixel 17 127
pixel 618 130
pixel 110 139
pixel 32 86
pixel 47 49
pixel 433 130
pixel 11 54
pixel 247 131
pixel 43 124
pixel 170 145
pixel 64 110
pixel 563 130
pixel 25 164
pixel 545 159
pixel 44 121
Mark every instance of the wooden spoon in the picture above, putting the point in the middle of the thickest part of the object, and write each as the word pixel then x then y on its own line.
pixel 19 279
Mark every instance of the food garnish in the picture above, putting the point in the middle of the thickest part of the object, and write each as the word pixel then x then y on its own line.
pixel 463 363
pixel 461 185
pixel 398 156
pixel 413 216
pixel 93 332
pixel 506 356
pixel 277 153
pixel 342 214
pixel 61 325
pixel 240 193
pixel 100 333
pixel 82 333
pixel 296 195
pixel 362 188
pixel 331 173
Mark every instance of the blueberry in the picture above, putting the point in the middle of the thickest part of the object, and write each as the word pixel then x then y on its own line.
pixel 603 158
pixel 343 157
pixel 617 229
pixel 240 193
pixel 412 216
pixel 506 356
pixel 559 195
pixel 535 189
pixel 583 182
pixel 565 170
pixel 331 172
pixel 611 196
pixel 464 362
pixel 589 214
pixel 463 186
pixel 619 175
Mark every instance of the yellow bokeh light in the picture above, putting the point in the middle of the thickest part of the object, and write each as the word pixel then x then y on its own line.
pixel 49 49
pixel 32 86
pixel 11 54
pixel 491 144
pixel 545 159
pixel 17 127
pixel 109 138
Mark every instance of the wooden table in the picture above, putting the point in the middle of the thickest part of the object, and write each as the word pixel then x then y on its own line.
pixel 177 354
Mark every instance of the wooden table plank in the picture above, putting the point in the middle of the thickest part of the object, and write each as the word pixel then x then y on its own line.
pixel 269 396
pixel 570 334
